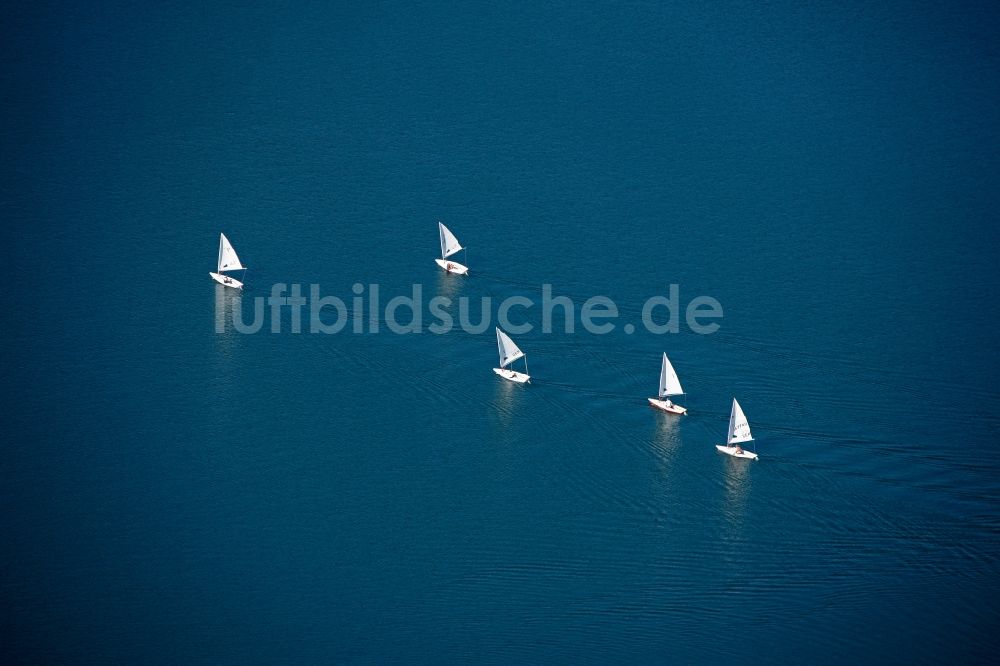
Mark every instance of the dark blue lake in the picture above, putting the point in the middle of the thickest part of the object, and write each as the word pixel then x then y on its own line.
pixel 828 172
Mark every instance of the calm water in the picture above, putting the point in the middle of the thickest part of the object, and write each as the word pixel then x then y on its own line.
pixel 829 173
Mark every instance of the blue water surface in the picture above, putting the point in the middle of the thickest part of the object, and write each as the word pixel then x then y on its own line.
pixel 828 171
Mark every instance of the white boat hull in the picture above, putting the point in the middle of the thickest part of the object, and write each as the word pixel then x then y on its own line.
pixel 226 281
pixel 671 407
pixel 731 450
pixel 511 375
pixel 452 266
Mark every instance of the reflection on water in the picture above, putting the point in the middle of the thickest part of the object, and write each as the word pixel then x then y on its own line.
pixel 228 361
pixel 449 284
pixel 737 482
pixel 220 308
pixel 227 301
pixel 506 399
pixel 666 439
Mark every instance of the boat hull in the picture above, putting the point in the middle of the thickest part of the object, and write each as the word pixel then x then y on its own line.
pixel 226 281
pixel 731 451
pixel 513 376
pixel 452 266
pixel 671 408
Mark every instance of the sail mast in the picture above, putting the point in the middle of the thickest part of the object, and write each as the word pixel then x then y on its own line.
pixel 449 243
pixel 228 259
pixel 663 378
pixel 739 429
pixel 509 352
pixel 669 383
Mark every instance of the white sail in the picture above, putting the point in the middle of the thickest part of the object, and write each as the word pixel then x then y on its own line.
pixel 739 429
pixel 228 261
pixel 449 244
pixel 508 350
pixel 669 383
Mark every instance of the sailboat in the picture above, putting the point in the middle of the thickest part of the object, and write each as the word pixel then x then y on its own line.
pixel 449 246
pixel 669 385
pixel 739 432
pixel 228 261
pixel 509 352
